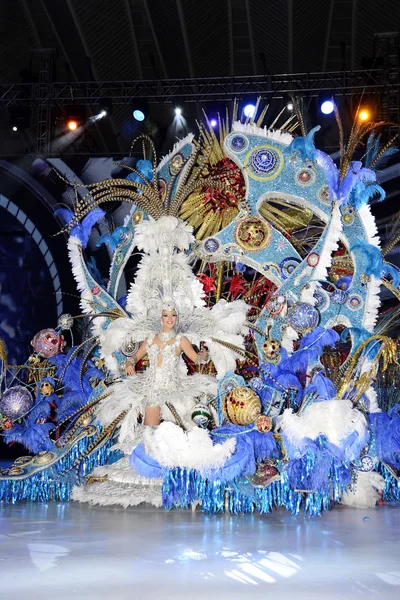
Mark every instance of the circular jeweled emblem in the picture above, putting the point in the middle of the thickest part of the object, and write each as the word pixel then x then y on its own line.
pixel 238 143
pixel 305 176
pixel 264 163
pixel 176 164
pixel 323 194
pixel 253 234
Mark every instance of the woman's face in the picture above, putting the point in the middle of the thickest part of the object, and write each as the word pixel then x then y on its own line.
pixel 168 319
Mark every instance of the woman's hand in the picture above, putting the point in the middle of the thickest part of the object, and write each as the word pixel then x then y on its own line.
pixel 129 367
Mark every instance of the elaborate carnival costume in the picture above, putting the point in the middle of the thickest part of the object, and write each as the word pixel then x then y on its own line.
pixel 298 421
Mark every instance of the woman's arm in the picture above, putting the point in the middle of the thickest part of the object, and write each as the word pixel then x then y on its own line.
pixel 131 362
pixel 197 357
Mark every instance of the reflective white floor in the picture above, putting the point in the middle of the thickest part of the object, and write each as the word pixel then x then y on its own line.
pixel 66 551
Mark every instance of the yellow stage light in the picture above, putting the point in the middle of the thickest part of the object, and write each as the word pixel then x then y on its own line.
pixel 72 125
pixel 364 115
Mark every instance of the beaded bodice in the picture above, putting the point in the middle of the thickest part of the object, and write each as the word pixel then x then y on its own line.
pixel 164 359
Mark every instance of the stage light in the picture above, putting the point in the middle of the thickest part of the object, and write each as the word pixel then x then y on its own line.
pixel 138 115
pixel 327 107
pixel 103 114
pixel 72 125
pixel 178 110
pixel 289 106
pixel 249 111
pixel 140 109
pixel 20 117
pixel 15 128
pixel 364 115
pixel 213 122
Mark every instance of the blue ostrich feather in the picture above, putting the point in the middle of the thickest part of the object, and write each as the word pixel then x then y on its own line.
pixel 361 194
pixel 386 431
pixel 372 148
pixel 344 282
pixel 372 255
pixel 145 169
pixel 82 230
pixel 145 465
pixel 299 361
pixel 318 339
pixel 331 171
pixel 305 145
pixel 322 387
pixel 241 462
pixel 69 403
pixel 112 240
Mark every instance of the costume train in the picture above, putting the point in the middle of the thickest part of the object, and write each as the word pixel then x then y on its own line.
pixel 248 368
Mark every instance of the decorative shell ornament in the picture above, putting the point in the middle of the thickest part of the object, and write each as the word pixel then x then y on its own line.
pixel 65 322
pixel 271 350
pixel 241 406
pixel 201 415
pixel 16 402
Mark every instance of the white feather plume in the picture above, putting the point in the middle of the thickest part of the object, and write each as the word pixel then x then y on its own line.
pixel 366 493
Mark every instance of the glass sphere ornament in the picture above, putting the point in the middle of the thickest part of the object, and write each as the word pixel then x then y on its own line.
pixel 48 342
pixel 303 317
pixel 16 402
pixel 65 322
pixel 201 415
pixel 241 406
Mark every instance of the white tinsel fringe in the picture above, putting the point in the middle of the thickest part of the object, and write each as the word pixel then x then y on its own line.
pixel 178 146
pixel 277 135
pixel 372 304
pixel 173 447
pixel 369 225
pixel 366 490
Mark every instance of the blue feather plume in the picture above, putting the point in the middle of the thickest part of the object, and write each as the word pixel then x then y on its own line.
pixel 305 145
pixel 82 230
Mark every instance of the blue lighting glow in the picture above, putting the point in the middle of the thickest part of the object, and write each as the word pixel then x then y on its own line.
pixel 327 107
pixel 138 115
pixel 249 110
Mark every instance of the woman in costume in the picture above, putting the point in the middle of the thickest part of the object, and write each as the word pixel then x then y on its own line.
pixel 165 286
pixel 163 374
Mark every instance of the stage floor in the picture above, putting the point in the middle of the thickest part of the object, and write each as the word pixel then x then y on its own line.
pixel 76 551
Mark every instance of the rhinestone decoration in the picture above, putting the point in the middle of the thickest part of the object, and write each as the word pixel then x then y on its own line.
pixel 303 317
pixel 238 143
pixel 288 265
pixel 265 163
pixel 176 164
pixel 305 177
pixel 365 464
pixel 256 384
pixel 137 217
pixel 348 216
pixel 354 302
pixel 322 300
pixel 275 305
pixel 313 259
pixel 323 195
pixel 211 245
pixel 253 234
pixel 129 348
pixel 339 297
pixel 65 322
pixel 263 423
pixel 16 402
pixel 228 384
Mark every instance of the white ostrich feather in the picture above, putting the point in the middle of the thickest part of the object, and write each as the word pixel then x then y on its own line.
pixel 178 146
pixel 173 447
pixel 336 419
pixel 167 231
pixel 367 490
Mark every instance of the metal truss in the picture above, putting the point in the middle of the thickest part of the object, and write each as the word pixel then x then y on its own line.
pixel 342 83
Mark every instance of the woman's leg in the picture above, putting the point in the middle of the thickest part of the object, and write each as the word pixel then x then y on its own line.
pixel 152 416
